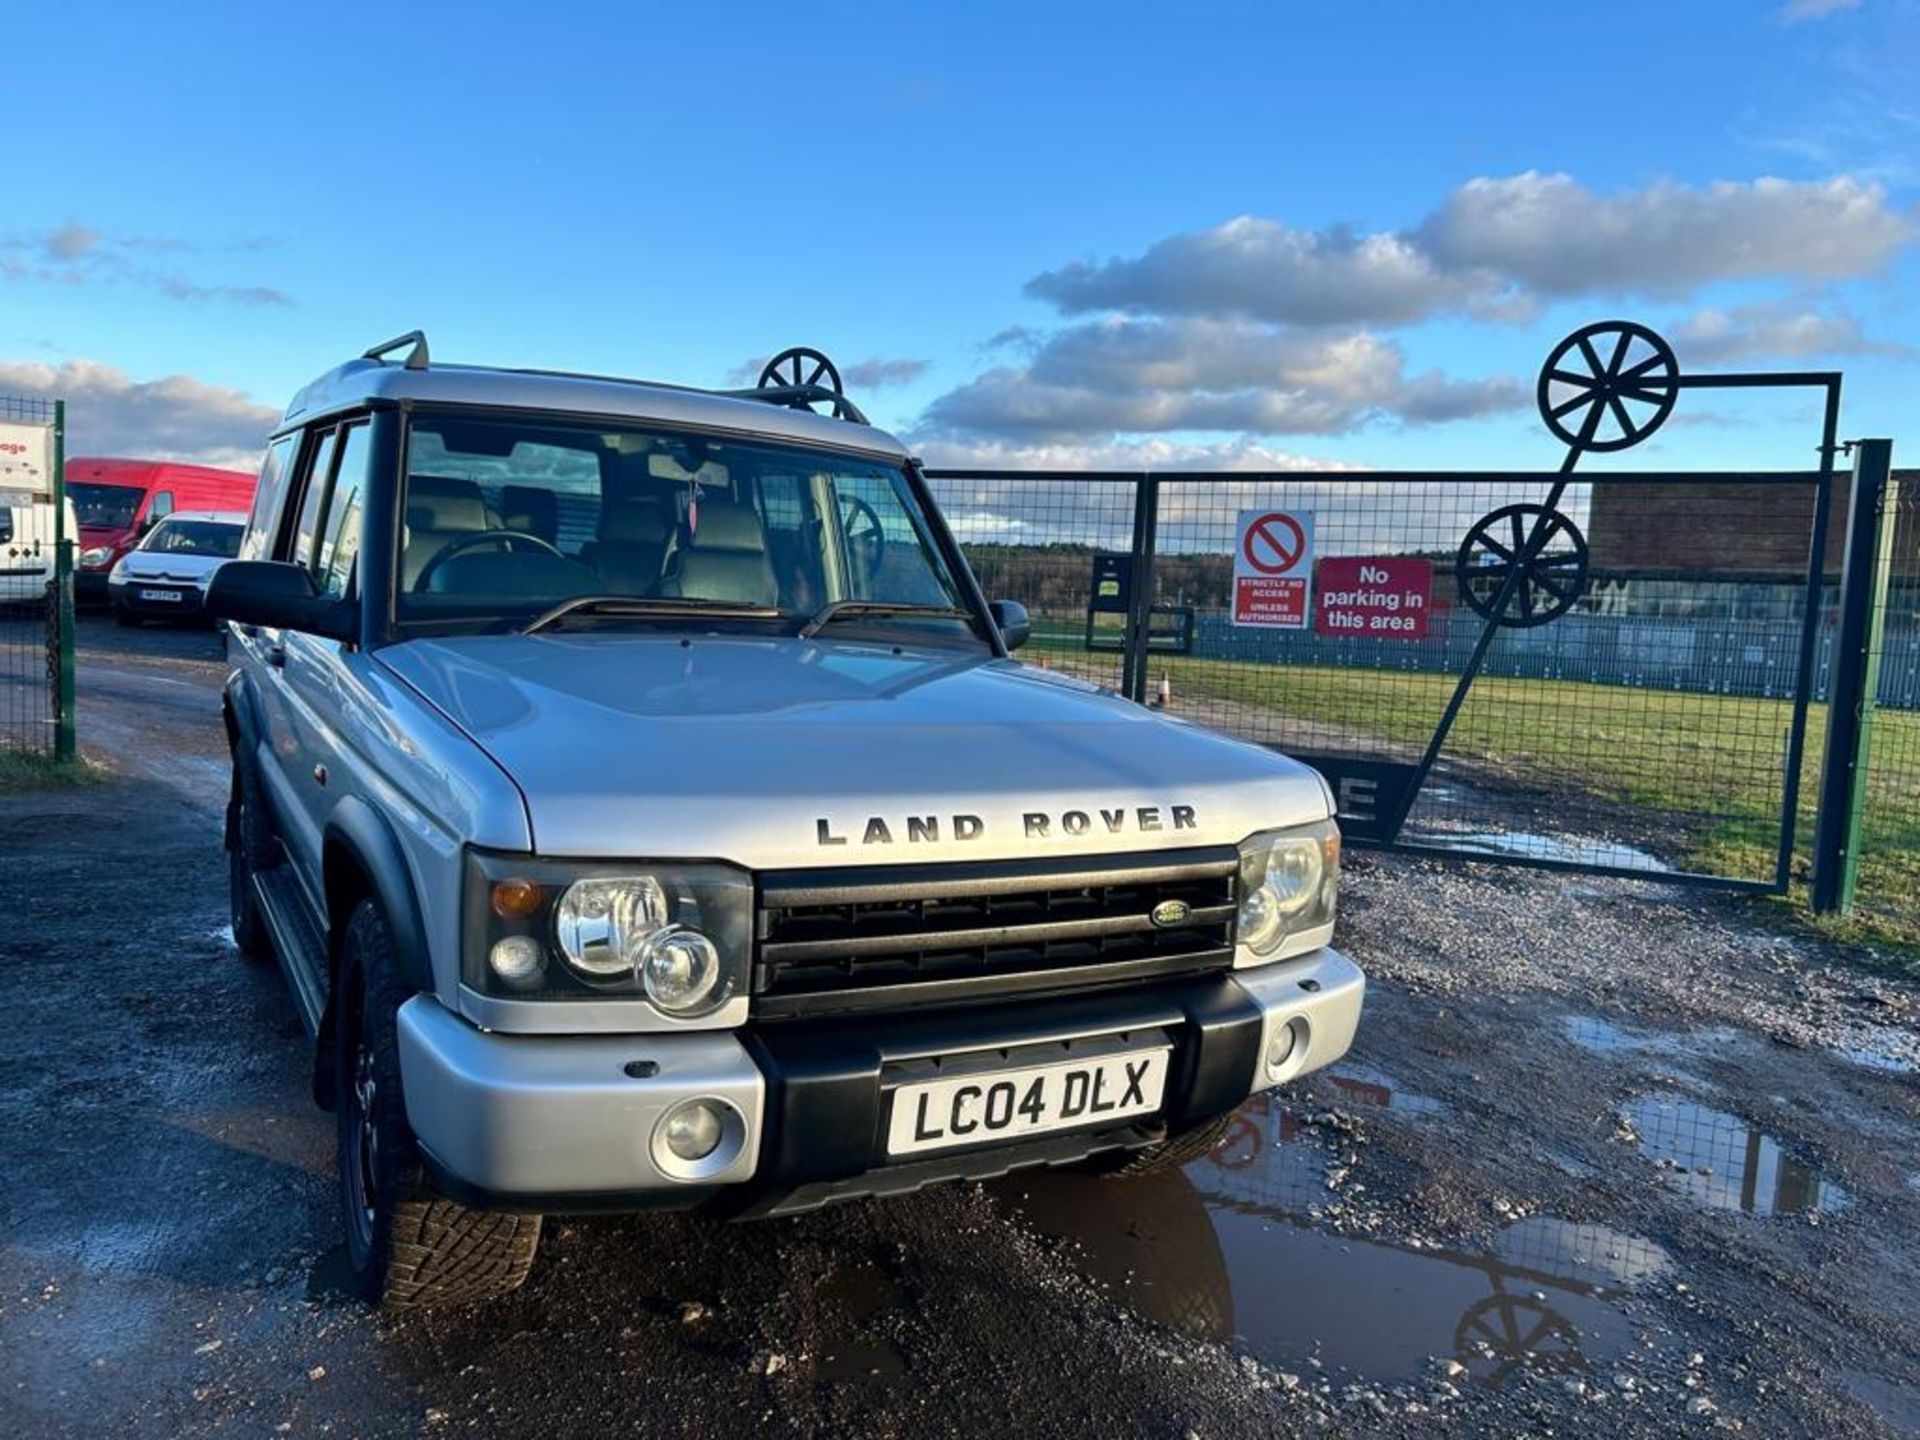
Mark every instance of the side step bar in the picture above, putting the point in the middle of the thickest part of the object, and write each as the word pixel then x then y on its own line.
pixel 297 942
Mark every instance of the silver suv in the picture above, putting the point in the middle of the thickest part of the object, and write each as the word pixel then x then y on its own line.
pixel 641 800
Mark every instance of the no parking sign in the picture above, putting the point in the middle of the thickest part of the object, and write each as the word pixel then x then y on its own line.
pixel 1273 568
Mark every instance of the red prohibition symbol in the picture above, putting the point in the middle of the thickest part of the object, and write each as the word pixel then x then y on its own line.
pixel 1279 536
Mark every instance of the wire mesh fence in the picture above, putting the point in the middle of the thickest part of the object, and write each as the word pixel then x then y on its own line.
pixel 1034 540
pixel 1646 724
pixel 31 626
pixel 1888 885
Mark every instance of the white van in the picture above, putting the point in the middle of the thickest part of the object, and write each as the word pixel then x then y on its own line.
pixel 27 538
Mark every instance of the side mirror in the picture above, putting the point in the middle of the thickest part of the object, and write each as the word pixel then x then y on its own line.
pixel 1011 617
pixel 279 596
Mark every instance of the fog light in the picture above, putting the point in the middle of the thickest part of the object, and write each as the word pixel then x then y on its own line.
pixel 519 960
pixel 693 1131
pixel 1287 1041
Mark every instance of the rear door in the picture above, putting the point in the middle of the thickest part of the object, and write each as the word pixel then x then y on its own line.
pixel 325 542
pixel 259 653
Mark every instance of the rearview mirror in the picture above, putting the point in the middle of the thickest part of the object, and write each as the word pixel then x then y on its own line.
pixel 1011 617
pixel 279 596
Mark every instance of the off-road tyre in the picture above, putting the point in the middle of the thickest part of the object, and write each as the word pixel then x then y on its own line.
pixel 246 846
pixel 407 1247
pixel 1181 1148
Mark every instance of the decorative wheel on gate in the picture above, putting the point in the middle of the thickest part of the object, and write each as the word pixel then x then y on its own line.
pixel 1608 386
pixel 1552 565
pixel 801 367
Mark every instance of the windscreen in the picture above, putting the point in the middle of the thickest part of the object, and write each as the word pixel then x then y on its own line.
pixel 194 537
pixel 504 519
pixel 105 507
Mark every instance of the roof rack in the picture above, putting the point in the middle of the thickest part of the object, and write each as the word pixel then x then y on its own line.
pixel 798 378
pixel 416 356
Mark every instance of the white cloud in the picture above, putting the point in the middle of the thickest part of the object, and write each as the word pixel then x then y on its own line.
pixel 1772 330
pixel 1495 246
pixel 1120 376
pixel 75 254
pixel 879 373
pixel 1796 10
pixel 1548 235
pixel 1266 270
pixel 876 373
pixel 173 418
pixel 1242 454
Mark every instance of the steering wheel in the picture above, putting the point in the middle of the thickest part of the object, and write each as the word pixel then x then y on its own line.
pixel 506 539
pixel 860 523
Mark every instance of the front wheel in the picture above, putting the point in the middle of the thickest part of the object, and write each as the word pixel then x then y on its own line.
pixel 406 1246
pixel 247 844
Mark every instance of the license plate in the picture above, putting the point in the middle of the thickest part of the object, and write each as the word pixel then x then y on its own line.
pixel 169 595
pixel 1001 1105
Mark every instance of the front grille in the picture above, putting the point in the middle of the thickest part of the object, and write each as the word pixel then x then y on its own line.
pixel 885 937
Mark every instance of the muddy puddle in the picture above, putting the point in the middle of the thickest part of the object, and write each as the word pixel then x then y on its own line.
pixel 1723 1162
pixel 1228 1250
pixel 1603 1037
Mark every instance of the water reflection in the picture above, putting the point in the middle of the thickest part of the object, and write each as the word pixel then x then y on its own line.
pixel 1603 1037
pixel 1381 1091
pixel 1721 1161
pixel 1227 1250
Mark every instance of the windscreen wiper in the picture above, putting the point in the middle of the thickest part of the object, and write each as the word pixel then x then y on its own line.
pixel 645 607
pixel 844 609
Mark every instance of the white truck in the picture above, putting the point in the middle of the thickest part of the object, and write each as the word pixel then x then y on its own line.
pixel 648 811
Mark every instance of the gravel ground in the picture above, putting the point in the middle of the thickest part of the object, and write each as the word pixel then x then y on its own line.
pixel 1608 1159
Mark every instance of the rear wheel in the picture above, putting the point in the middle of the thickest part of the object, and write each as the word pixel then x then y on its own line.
pixel 1183 1147
pixel 406 1246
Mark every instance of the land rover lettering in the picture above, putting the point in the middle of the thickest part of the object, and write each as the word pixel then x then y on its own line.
pixel 1034 825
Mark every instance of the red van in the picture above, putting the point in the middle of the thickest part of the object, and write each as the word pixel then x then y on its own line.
pixel 118 501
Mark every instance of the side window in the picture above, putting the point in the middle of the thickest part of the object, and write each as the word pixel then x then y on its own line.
pixel 160 506
pixel 339 534
pixel 269 496
pixel 319 472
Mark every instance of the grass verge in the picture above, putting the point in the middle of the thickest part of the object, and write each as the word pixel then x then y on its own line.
pixel 24 770
pixel 1715 761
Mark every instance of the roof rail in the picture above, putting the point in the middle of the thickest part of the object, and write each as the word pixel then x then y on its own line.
pixel 798 378
pixel 416 357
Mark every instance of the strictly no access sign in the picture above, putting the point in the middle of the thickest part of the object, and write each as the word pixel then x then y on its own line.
pixel 1273 568
pixel 1386 597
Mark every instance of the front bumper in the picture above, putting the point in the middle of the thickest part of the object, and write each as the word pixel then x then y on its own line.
pixel 565 1123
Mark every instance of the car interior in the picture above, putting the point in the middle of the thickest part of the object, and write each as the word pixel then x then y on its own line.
pixel 661 522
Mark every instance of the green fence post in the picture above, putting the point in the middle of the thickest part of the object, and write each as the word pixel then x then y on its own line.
pixel 64 747
pixel 1854 684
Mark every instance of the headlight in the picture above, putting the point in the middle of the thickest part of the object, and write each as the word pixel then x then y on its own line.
pixel 94 556
pixel 676 936
pixel 1289 887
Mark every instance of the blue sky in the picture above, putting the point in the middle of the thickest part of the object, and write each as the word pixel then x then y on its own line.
pixel 1116 233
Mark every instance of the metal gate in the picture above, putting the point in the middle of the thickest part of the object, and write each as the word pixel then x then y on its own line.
pixel 1602 672
pixel 36 606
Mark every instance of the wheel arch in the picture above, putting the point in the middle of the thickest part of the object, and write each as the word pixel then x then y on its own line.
pixel 361 859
